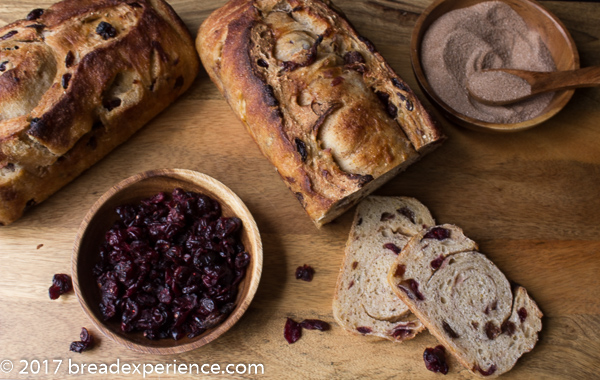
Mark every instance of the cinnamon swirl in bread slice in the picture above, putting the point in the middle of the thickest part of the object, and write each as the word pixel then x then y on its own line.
pixel 465 300
pixel 364 303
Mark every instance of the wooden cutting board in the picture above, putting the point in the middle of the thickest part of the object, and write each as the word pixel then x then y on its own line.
pixel 530 199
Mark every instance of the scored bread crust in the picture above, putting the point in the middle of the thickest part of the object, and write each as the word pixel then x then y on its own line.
pixel 70 94
pixel 465 301
pixel 363 302
pixel 321 103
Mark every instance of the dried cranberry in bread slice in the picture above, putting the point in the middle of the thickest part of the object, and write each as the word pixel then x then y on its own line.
pixel 363 302
pixel 465 301
pixel 321 103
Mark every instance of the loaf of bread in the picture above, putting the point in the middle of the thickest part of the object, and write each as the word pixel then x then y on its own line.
pixel 364 303
pixel 78 79
pixel 465 301
pixel 321 103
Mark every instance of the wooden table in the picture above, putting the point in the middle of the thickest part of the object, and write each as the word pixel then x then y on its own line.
pixel 530 199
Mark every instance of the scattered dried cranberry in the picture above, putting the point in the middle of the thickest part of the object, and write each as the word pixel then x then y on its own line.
pixel 437 233
pixel 490 371
pixel 305 273
pixel 522 314
pixel 392 247
pixel 435 359
pixel 65 80
pixel 353 57
pixel 3 66
pixel 69 59
pixel 35 14
pixel 449 330
pixel 508 328
pixel 437 263
pixel 86 342
pixel 411 288
pixel 363 330
pixel 315 324
pixel 292 331
pixel 400 269
pixel 301 148
pixel 8 35
pixel 491 330
pixel 105 30
pixel 61 284
pixel 407 213
pixel 262 63
pixel 386 216
pixel 171 265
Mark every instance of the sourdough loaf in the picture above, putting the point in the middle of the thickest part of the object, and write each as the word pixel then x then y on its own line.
pixel 78 79
pixel 364 303
pixel 465 301
pixel 321 103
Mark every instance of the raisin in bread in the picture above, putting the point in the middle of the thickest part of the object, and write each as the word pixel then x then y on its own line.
pixel 465 301
pixel 363 302
pixel 76 80
pixel 321 103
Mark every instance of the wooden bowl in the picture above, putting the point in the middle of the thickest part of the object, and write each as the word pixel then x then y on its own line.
pixel 553 33
pixel 101 217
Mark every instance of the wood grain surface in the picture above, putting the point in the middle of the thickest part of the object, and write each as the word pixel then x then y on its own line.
pixel 530 199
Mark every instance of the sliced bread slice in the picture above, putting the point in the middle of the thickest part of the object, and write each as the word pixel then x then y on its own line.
pixel 363 302
pixel 465 300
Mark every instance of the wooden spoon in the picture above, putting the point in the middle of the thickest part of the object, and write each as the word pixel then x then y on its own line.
pixel 504 86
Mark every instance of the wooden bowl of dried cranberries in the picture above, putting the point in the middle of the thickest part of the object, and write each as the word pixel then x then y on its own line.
pixel 166 261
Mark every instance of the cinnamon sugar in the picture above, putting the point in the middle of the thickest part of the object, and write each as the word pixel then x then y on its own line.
pixel 488 35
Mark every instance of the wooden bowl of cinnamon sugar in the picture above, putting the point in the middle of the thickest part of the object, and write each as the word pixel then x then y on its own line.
pixel 442 76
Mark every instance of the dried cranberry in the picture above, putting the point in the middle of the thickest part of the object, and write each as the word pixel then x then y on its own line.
pixel 438 233
pixel 61 284
pixel 65 80
pixel 353 57
pixel 363 329
pixel 3 66
pixel 292 331
pixel 451 333
pixel 69 59
pixel 86 342
pixel 407 213
pixel 435 359
pixel 106 30
pixel 411 288
pixel 392 247
pixel 354 264
pixel 396 82
pixel 491 330
pixel 262 63
pixel 409 105
pixel 8 35
pixel 337 80
pixel 522 314
pixel 490 371
pixel 400 269
pixel 315 324
pixel 305 273
pixel 437 263
pixel 508 328
pixel 401 332
pixel 301 148
pixel 386 216
pixel 35 14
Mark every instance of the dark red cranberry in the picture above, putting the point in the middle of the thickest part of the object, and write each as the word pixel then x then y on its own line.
pixel 400 269
pixel 292 331
pixel 508 328
pixel 490 371
pixel 305 273
pixel 65 80
pixel 396 82
pixel 435 359
pixel 411 288
pixel 409 105
pixel 3 66
pixel 401 332
pixel 262 63
pixel 438 233
pixel 301 148
pixel 354 265
pixel 111 104
pixel 69 59
pixel 407 213
pixel 437 263
pixel 363 330
pixel 522 314
pixel 449 330
pixel 61 284
pixel 86 342
pixel 353 57
pixel 106 30
pixel 491 330
pixel 392 247
pixel 35 14
pixel 8 35
pixel 386 216
pixel 315 324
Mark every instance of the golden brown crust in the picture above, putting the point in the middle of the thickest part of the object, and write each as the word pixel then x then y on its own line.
pixel 320 102
pixel 83 71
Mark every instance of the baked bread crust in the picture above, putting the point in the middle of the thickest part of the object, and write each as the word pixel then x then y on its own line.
pixel 78 80
pixel 465 301
pixel 363 302
pixel 321 103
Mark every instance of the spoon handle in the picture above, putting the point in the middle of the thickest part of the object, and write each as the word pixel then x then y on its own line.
pixel 560 80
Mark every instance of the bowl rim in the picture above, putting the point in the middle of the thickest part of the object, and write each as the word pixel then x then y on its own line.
pixel 204 181
pixel 467 121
